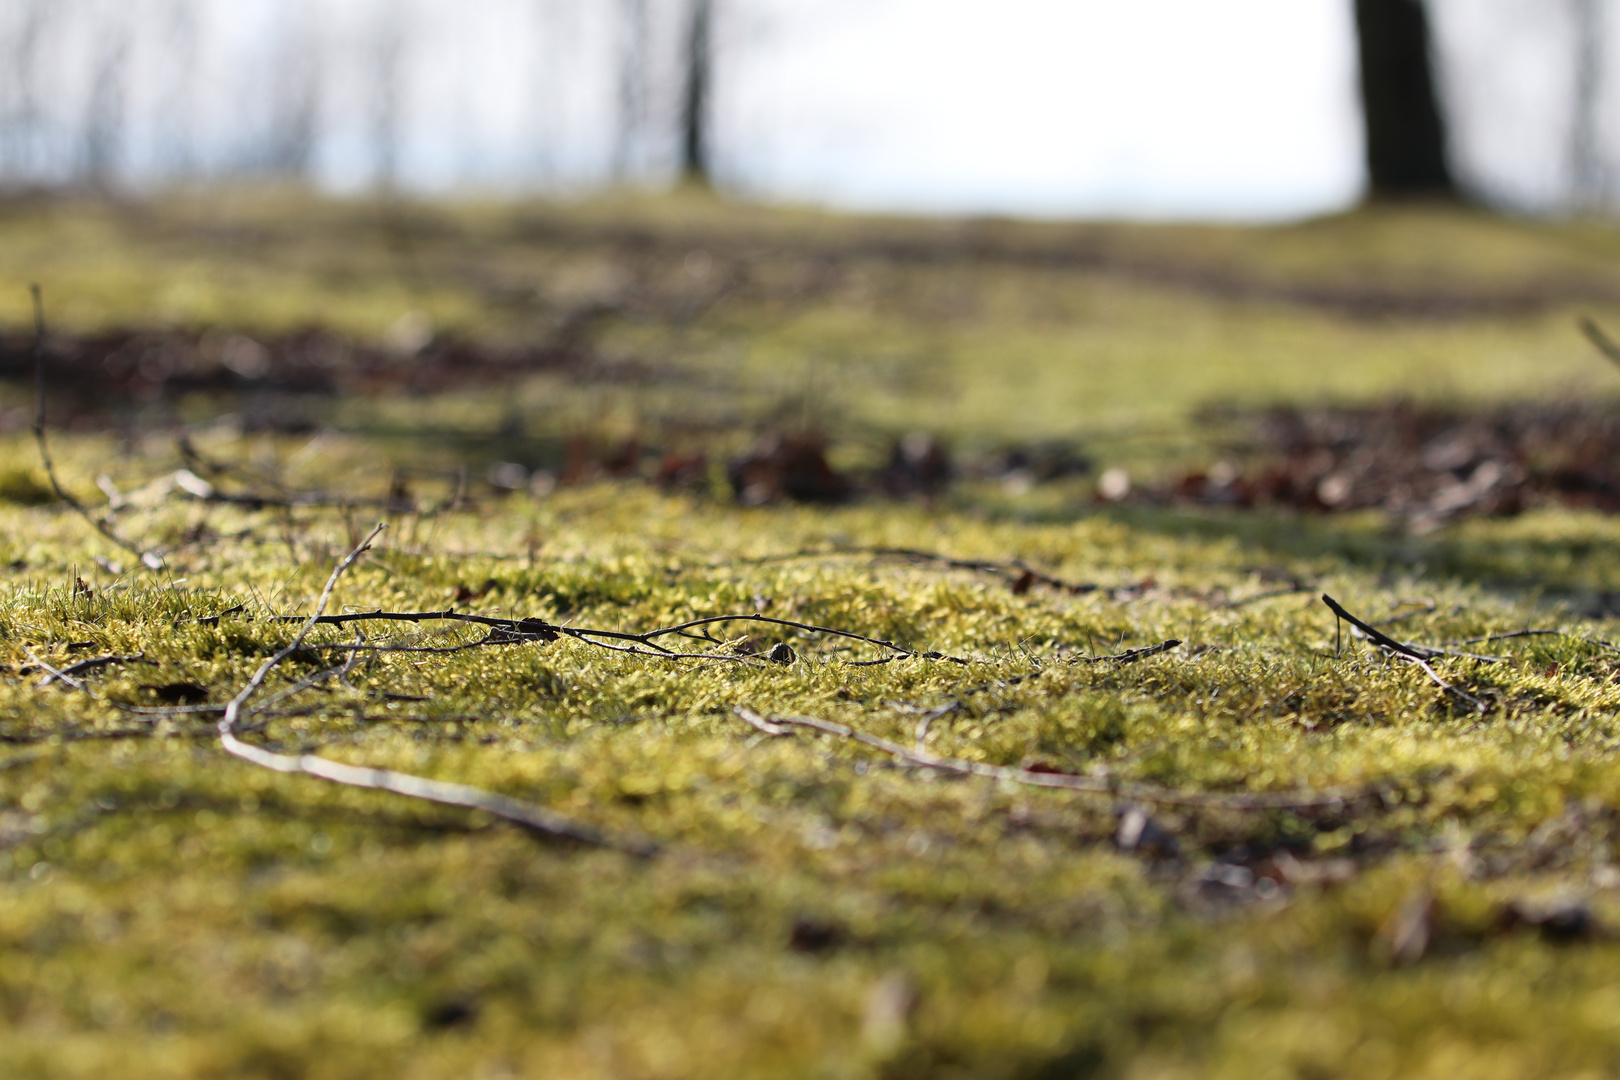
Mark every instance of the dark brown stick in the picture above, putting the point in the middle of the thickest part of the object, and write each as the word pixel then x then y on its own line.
pixel 1413 654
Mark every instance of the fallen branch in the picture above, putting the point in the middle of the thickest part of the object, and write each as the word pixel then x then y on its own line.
pixel 1095 785
pixel 1412 654
pixel 529 816
pixel 529 629
pixel 87 665
pixel 1129 656
pixel 1510 634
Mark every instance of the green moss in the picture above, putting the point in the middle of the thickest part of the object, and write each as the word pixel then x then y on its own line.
pixel 819 910
pixel 24 487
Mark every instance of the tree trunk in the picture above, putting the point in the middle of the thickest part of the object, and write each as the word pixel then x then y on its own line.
pixel 695 94
pixel 1406 137
pixel 1586 158
pixel 635 52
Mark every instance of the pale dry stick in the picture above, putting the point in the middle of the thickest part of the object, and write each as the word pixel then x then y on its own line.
pixel 152 560
pixel 93 662
pixel 1093 785
pixel 65 676
pixel 53 673
pixel 1512 634
pixel 535 818
pixel 1129 656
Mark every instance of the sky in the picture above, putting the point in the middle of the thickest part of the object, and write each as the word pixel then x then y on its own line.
pixel 1157 109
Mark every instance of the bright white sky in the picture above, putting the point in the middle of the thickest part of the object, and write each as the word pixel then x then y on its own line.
pixel 1143 108
pixel 1236 108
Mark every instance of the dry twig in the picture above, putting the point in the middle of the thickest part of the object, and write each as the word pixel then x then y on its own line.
pixel 529 816
pixel 1096 785
pixel 1412 654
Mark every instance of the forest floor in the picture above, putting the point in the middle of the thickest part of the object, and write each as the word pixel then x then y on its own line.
pixel 805 645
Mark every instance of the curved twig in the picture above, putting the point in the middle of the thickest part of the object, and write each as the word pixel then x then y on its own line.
pixel 1094 785
pixel 529 816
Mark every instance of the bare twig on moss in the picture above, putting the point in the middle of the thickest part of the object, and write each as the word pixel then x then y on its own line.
pixel 1293 589
pixel 528 629
pixel 1412 654
pixel 1018 574
pixel 1095 785
pixel 1129 656
pixel 1510 634
pixel 93 662
pixel 52 672
pixel 527 815
pixel 152 560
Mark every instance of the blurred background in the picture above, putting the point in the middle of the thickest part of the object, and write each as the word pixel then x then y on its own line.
pixel 1247 109
pixel 809 248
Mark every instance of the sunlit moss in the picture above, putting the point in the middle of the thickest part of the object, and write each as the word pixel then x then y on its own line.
pixel 820 911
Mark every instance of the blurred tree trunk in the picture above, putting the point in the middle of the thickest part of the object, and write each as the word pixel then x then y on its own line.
pixel 635 53
pixel 695 93
pixel 1586 158
pixel 1406 135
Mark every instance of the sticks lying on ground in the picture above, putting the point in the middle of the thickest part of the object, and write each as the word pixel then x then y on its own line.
pixel 1096 785
pixel 523 629
pixel 1412 654
pixel 529 816
pixel 1018 575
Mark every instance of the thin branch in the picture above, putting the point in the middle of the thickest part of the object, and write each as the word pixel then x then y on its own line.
pixel 93 662
pixel 1510 634
pixel 529 816
pixel 533 629
pixel 897 650
pixel 1412 654
pixel 152 560
pixel 1017 573
pixel 53 673
pixel 1129 656
pixel 1097 785
pixel 1289 590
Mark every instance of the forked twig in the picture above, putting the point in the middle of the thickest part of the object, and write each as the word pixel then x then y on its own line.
pixel 1017 573
pixel 529 816
pixel 93 662
pixel 1412 654
pixel 528 629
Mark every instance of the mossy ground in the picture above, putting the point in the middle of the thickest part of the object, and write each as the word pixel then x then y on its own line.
pixel 818 910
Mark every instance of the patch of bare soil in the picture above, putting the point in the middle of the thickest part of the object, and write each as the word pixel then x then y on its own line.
pixel 97 379
pixel 1418 463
